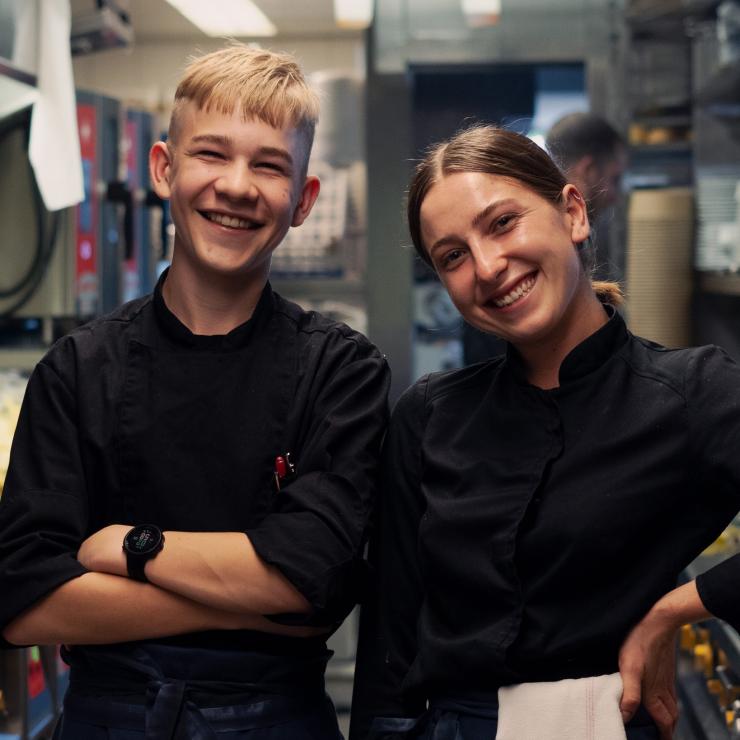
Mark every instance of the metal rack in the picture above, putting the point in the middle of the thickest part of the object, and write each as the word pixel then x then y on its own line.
pixel 32 684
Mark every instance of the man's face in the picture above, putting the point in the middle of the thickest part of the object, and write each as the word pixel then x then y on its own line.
pixel 235 187
pixel 603 181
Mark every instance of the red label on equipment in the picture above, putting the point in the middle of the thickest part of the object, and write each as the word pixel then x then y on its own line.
pixel 36 683
pixel 87 215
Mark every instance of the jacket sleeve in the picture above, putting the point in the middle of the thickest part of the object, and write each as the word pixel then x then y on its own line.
pixel 316 530
pixel 713 401
pixel 43 509
pixel 388 625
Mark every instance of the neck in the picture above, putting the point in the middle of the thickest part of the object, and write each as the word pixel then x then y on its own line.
pixel 542 359
pixel 210 304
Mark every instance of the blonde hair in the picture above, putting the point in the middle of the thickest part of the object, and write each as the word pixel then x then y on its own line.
pixel 496 151
pixel 265 84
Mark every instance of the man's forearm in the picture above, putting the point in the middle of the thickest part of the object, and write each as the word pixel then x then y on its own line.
pixel 98 608
pixel 218 569
pixel 222 570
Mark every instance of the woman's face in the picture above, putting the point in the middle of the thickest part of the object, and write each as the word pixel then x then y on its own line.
pixel 507 257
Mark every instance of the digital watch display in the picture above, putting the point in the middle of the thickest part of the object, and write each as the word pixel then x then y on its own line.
pixel 141 544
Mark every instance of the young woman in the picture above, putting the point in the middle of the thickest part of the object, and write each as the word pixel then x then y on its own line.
pixel 538 508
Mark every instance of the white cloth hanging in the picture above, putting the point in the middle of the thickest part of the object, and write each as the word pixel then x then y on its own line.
pixel 54 146
pixel 571 709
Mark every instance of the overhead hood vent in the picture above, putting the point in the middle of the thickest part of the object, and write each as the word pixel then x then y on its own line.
pixel 106 26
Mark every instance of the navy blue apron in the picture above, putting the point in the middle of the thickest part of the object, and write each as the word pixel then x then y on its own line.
pixel 158 692
pixel 451 719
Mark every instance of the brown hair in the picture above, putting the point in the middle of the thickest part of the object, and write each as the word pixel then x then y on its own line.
pixel 267 85
pixel 496 151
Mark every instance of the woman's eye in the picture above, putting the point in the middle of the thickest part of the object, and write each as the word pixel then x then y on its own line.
pixel 451 257
pixel 502 223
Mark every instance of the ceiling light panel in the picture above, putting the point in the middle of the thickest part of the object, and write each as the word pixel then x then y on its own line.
pixel 481 12
pixel 226 17
pixel 353 13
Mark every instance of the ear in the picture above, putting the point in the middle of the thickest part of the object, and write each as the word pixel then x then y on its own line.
pixel 575 210
pixel 309 193
pixel 160 169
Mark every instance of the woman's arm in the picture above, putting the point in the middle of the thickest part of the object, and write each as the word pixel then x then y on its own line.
pixel 647 659
pixel 98 608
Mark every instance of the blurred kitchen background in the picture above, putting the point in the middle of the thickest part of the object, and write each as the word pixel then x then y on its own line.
pixel 395 76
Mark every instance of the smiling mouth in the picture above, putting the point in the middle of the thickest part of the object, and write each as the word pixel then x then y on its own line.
pixel 517 293
pixel 230 222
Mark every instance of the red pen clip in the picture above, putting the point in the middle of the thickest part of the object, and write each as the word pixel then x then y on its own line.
pixel 284 469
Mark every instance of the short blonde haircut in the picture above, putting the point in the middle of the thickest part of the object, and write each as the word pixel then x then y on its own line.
pixel 266 85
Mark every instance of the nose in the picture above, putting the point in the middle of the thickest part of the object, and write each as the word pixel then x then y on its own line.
pixel 490 262
pixel 236 182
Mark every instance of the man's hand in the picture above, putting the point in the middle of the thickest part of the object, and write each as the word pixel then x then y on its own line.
pixel 102 552
pixel 647 663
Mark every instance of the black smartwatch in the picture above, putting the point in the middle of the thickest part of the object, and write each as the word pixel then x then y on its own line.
pixel 141 544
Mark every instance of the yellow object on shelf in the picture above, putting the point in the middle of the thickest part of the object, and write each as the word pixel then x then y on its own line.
pixel 728 543
pixel 703 635
pixel 12 388
pixel 715 688
pixel 687 638
pixel 704 659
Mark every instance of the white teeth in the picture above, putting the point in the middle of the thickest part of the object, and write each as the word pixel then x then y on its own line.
pixel 230 221
pixel 519 292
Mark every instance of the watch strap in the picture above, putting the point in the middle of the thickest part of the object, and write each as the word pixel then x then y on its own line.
pixel 135 566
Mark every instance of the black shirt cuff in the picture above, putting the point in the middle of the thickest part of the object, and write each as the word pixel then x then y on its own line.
pixel 718 590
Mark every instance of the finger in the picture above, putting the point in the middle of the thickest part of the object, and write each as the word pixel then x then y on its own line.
pixel 631 693
pixel 671 703
pixel 663 717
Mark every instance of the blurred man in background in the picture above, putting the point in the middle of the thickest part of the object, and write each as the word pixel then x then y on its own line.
pixel 593 155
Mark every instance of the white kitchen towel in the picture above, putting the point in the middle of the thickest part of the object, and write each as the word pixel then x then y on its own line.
pixel 572 709
pixel 54 147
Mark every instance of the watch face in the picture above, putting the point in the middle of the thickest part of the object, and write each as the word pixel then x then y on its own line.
pixel 142 540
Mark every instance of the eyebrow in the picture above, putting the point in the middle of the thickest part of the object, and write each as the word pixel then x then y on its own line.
pixel 273 151
pixel 476 222
pixel 211 139
pixel 486 212
pixel 227 141
pixel 443 242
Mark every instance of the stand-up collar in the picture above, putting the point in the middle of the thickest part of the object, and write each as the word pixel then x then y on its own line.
pixel 586 357
pixel 237 338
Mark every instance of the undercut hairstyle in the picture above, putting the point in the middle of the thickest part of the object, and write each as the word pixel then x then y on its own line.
pixel 579 135
pixel 263 84
pixel 502 153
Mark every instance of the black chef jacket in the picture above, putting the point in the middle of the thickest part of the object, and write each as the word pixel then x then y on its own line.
pixel 523 531
pixel 134 419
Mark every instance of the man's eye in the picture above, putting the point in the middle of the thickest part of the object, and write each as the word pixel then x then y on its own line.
pixel 209 153
pixel 274 166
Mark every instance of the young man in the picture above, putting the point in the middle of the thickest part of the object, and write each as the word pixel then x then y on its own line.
pixel 191 475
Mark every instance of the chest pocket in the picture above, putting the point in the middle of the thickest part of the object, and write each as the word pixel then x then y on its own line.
pixel 199 433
